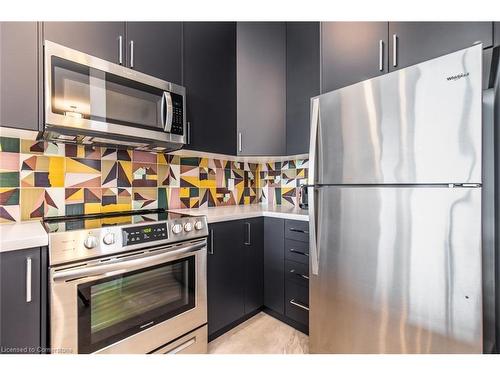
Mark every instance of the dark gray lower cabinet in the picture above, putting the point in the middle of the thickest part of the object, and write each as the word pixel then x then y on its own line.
pixel 415 42
pixel 254 264
pixel 302 82
pixel 274 263
pixel 21 301
pixel 235 273
pixel 19 75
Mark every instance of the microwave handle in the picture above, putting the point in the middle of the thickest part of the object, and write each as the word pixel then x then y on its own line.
pixel 166 111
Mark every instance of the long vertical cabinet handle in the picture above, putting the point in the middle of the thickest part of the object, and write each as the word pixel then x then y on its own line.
pixel 312 180
pixel 120 50
pixel 394 50
pixel 211 251
pixel 240 142
pixel 28 280
pixel 188 131
pixel 131 53
pixel 381 55
pixel 248 242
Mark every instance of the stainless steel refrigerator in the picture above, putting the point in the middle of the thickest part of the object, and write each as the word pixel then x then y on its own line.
pixel 396 220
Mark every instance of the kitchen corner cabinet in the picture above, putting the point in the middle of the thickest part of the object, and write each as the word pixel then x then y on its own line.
pixel 21 301
pixel 274 263
pixel 210 78
pixel 254 263
pixel 302 82
pixel 235 273
pixel 155 48
pixel 99 39
pixel 415 42
pixel 19 75
pixel 261 92
pixel 352 52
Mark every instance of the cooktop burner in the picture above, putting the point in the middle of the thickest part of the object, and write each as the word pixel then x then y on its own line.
pixel 75 238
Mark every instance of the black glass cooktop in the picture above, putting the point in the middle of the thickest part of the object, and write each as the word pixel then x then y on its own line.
pixel 93 221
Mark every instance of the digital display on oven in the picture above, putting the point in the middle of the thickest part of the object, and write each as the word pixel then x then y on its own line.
pixel 144 233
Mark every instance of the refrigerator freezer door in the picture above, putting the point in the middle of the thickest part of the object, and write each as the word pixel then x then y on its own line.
pixel 421 124
pixel 399 271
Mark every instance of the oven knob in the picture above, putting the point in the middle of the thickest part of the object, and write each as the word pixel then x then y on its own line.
pixel 188 227
pixel 198 225
pixel 90 242
pixel 177 228
pixel 109 239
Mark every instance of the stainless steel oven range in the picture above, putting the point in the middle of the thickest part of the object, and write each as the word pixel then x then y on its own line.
pixel 131 282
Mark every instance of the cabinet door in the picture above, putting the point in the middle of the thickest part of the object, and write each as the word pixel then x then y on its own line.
pixel 254 263
pixel 225 275
pixel 352 52
pixel 496 34
pixel 210 78
pixel 19 75
pixel 302 82
pixel 415 42
pixel 261 94
pixel 20 300
pixel 274 264
pixel 99 39
pixel 155 48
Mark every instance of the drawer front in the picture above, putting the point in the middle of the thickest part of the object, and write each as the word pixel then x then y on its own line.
pixel 195 342
pixel 297 273
pixel 297 302
pixel 297 230
pixel 297 251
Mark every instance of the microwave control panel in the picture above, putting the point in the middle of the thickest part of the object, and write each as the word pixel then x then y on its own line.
pixel 144 233
pixel 178 114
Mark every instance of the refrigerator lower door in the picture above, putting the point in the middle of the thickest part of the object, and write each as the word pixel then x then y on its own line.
pixel 399 270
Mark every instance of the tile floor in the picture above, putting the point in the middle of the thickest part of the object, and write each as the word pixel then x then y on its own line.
pixel 261 334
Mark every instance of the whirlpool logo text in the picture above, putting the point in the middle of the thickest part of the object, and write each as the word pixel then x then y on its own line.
pixel 457 76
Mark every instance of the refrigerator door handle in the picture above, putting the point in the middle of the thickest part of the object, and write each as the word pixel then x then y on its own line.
pixel 313 249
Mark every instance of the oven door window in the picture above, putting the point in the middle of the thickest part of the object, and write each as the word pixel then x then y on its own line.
pixel 81 92
pixel 116 307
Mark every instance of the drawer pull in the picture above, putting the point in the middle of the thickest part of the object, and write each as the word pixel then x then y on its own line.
pixel 299 230
pixel 298 304
pixel 299 274
pixel 298 252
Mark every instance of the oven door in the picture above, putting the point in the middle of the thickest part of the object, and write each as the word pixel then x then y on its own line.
pixel 91 100
pixel 133 303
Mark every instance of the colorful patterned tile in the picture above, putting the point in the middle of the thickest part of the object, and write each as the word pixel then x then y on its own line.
pixel 9 144
pixel 169 175
pixel 9 179
pixel 144 157
pixel 115 154
pixel 9 197
pixel 10 214
pixel 116 199
pixel 54 202
pixel 32 203
pixel 289 197
pixel 9 161
pixel 9 205
pixel 42 148
pixel 42 171
pixel 144 174
pixel 144 198
pixel 173 198
pixel 116 173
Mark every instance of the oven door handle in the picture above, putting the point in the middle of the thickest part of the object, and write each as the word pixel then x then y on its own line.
pixel 123 266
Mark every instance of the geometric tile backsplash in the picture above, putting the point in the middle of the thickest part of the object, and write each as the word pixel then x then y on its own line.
pixel 39 178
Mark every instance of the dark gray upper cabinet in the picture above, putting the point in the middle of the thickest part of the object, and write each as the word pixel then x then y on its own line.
pixel 100 39
pixel 415 42
pixel 19 75
pixel 155 48
pixel 261 96
pixel 352 52
pixel 496 33
pixel 302 82
pixel 210 79
pixel 254 263
pixel 20 301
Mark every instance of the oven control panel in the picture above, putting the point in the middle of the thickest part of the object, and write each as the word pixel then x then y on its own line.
pixel 144 233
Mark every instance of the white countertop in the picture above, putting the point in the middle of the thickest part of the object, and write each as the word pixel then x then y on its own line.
pixel 23 235
pixel 227 213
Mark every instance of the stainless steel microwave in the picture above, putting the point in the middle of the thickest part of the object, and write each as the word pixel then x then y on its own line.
pixel 93 101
